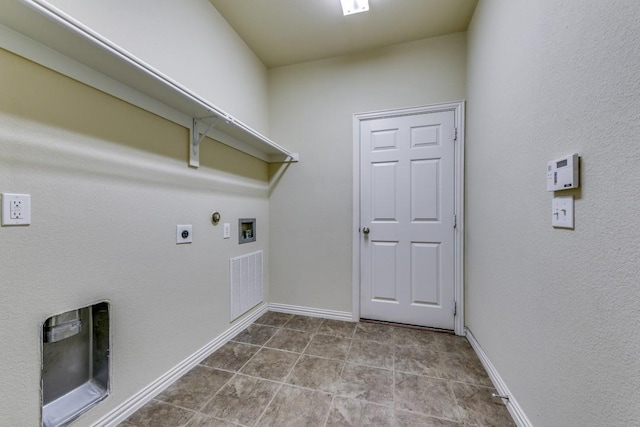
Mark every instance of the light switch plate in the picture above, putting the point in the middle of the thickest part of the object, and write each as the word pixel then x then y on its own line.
pixel 562 212
pixel 226 230
pixel 16 209
pixel 184 234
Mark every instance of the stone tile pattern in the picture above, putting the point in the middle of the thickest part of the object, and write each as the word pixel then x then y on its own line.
pixel 290 370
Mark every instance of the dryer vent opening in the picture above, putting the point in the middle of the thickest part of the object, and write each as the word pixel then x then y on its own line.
pixel 75 363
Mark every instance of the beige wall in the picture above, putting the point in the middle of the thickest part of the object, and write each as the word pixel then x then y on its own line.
pixel 190 42
pixel 311 112
pixel 108 184
pixel 557 311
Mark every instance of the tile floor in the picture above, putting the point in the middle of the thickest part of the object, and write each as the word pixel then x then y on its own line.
pixel 289 370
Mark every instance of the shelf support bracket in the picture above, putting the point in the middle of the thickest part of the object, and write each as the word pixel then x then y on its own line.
pixel 195 138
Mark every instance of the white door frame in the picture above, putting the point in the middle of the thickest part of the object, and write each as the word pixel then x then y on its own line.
pixel 458 109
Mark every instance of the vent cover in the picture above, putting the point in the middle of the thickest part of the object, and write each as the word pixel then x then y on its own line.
pixel 246 283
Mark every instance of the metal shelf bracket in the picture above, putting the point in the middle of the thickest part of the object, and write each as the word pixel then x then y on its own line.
pixel 195 138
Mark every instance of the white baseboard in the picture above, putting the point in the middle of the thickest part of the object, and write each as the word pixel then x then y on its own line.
pixel 518 415
pixel 131 405
pixel 311 312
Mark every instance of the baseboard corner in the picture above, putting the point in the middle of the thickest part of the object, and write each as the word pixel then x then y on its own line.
pixel 312 312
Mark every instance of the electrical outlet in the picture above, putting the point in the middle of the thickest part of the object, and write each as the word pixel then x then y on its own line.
pixel 184 234
pixel 226 230
pixel 16 209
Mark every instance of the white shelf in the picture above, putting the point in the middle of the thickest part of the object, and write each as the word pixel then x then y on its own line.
pixel 38 31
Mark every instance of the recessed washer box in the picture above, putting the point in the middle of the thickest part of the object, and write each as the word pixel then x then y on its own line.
pixel 246 230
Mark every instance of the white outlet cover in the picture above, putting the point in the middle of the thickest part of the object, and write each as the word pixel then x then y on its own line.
pixel 184 234
pixel 226 230
pixel 562 212
pixel 16 209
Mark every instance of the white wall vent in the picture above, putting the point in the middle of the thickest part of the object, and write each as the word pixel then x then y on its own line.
pixel 245 274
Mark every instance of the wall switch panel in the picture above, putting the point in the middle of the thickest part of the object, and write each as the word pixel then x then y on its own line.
pixel 226 230
pixel 184 234
pixel 16 209
pixel 562 212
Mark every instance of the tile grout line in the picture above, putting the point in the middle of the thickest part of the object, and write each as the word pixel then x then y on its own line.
pixel 346 359
pixel 313 334
pixel 283 382
pixel 439 348
pixel 455 400
pixel 344 364
pixel 279 386
pixel 235 374
pixel 268 404
pixel 326 419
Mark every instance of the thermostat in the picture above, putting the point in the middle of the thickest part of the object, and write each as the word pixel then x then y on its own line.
pixel 562 174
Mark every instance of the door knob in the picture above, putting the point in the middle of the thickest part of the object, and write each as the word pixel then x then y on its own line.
pixel 366 230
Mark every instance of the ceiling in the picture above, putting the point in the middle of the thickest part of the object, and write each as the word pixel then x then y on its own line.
pixel 283 32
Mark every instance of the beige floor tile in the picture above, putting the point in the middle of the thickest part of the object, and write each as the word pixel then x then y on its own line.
pixel 293 407
pixel 255 334
pixel 338 328
pixel 418 360
pixel 411 419
pixel 374 332
pixel 201 420
pixel 270 364
pixel 352 412
pixel 242 400
pixel 464 368
pixel 429 396
pixel 232 356
pixel 195 388
pixel 371 384
pixel 290 340
pixel 272 318
pixel 371 353
pixel 351 374
pixel 329 346
pixel 304 323
pixel 415 337
pixel 316 373
pixel 453 344
pixel 156 413
pixel 479 408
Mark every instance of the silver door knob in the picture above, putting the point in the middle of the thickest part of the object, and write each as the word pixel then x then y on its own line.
pixel 366 230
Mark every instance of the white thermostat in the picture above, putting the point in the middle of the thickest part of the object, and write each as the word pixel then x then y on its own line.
pixel 562 174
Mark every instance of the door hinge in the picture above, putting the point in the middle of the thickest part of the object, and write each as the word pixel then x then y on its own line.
pixel 455 221
pixel 455 308
pixel 455 134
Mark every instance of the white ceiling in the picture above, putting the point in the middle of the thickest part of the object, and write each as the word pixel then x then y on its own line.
pixel 282 32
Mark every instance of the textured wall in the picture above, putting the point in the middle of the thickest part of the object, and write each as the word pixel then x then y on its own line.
pixel 556 310
pixel 311 112
pixel 108 184
pixel 189 41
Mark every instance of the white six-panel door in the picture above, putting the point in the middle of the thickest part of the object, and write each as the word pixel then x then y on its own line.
pixel 407 206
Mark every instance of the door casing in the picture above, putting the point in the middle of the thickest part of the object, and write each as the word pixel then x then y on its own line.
pixel 458 109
